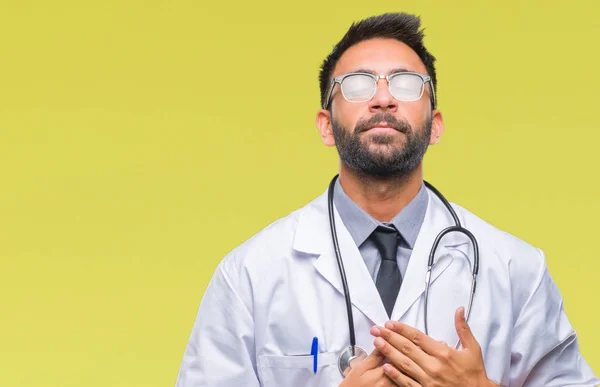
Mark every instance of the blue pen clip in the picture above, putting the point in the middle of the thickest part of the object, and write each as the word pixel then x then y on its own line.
pixel 314 351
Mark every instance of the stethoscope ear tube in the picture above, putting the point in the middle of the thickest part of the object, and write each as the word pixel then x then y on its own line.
pixel 460 229
pixel 338 255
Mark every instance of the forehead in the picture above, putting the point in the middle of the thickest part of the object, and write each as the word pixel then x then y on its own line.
pixel 379 55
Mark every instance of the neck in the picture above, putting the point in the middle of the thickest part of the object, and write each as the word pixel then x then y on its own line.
pixel 382 198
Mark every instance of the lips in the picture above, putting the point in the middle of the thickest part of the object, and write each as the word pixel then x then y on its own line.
pixel 382 125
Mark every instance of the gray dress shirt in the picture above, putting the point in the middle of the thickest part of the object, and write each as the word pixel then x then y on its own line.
pixel 360 225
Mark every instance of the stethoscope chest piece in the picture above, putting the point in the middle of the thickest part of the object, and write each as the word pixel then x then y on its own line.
pixel 346 357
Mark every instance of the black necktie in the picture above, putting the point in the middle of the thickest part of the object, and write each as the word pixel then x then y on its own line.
pixel 389 277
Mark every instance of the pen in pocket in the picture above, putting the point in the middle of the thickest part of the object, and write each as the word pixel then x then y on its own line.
pixel 314 351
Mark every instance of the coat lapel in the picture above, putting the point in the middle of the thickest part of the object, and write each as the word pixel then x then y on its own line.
pixel 314 236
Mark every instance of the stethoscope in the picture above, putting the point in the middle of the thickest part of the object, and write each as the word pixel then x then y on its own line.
pixel 354 351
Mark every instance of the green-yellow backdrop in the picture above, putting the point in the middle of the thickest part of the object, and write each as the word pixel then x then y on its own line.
pixel 132 132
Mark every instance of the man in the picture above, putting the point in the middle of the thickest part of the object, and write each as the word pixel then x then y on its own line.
pixel 274 313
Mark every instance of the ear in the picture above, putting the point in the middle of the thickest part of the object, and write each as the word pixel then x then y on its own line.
pixel 437 127
pixel 325 127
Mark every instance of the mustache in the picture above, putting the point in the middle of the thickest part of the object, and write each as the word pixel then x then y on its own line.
pixel 364 125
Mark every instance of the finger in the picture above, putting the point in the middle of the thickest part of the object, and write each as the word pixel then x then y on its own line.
pixel 376 377
pixel 361 365
pixel 357 360
pixel 398 377
pixel 402 344
pixel 420 339
pixel 463 330
pixel 401 361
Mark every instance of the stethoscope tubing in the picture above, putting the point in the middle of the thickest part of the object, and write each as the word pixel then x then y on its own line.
pixel 338 255
pixel 456 228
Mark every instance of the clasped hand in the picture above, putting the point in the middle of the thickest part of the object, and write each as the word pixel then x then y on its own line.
pixel 405 356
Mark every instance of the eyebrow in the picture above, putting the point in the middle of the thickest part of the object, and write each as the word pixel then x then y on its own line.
pixel 393 71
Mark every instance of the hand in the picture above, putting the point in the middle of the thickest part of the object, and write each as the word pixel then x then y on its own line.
pixel 422 361
pixel 367 372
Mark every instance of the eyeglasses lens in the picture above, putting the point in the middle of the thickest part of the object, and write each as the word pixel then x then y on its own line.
pixel 361 88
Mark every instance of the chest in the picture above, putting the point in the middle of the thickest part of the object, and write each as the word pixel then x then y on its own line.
pixel 301 304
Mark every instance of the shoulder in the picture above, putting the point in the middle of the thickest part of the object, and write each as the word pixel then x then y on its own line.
pixel 504 253
pixel 502 242
pixel 269 247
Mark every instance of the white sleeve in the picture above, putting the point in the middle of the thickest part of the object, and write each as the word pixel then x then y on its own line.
pixel 220 351
pixel 545 349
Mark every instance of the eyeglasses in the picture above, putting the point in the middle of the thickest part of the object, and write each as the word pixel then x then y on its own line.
pixel 405 86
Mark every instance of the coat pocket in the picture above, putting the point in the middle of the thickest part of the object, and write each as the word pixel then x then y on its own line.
pixel 288 371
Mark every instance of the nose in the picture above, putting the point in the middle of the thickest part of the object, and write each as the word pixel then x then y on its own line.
pixel 383 99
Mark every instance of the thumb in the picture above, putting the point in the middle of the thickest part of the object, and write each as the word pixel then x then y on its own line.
pixel 463 330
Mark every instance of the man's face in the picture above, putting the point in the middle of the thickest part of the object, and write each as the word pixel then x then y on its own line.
pixel 383 137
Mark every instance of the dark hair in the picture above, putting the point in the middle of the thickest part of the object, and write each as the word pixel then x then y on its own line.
pixel 400 26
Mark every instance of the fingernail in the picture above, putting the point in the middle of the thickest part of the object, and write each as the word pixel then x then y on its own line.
pixel 387 368
pixel 379 342
pixel 376 331
pixel 389 325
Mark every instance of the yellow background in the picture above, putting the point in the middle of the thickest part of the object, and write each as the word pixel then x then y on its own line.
pixel 132 133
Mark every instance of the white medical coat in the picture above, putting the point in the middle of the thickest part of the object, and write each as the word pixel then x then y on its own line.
pixel 271 295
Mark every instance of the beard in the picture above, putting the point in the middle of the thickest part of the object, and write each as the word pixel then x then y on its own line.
pixel 394 161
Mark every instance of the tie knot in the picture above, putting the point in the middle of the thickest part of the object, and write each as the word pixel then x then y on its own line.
pixel 386 239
